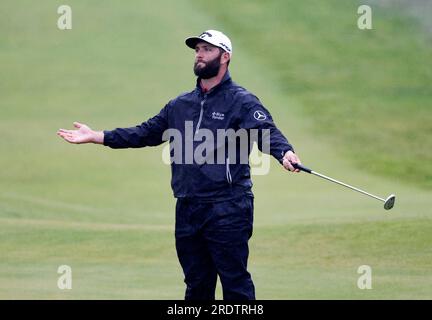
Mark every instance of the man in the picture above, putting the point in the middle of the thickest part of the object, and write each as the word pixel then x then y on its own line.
pixel 214 209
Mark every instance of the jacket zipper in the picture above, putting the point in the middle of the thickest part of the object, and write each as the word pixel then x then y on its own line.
pixel 228 172
pixel 201 114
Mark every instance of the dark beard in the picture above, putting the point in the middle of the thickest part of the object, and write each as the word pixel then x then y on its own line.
pixel 210 70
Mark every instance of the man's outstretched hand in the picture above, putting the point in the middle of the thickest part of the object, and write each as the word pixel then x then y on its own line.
pixel 83 134
pixel 290 158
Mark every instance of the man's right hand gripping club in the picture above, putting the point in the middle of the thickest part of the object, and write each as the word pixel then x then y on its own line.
pixel 289 159
pixel 83 134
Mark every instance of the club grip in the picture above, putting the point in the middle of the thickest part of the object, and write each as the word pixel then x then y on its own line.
pixel 302 168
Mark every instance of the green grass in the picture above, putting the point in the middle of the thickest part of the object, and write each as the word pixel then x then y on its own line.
pixel 135 261
pixel 109 214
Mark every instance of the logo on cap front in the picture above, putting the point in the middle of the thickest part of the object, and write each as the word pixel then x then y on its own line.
pixel 202 35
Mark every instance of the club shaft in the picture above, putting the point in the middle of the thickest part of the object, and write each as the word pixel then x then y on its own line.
pixel 346 185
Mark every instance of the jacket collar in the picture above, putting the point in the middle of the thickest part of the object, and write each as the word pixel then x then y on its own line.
pixel 225 80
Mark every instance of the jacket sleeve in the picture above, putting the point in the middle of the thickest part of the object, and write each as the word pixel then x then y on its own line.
pixel 148 133
pixel 255 116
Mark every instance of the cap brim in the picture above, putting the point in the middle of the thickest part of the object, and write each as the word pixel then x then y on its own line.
pixel 191 42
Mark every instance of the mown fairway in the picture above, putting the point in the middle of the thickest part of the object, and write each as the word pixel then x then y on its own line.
pixel 109 214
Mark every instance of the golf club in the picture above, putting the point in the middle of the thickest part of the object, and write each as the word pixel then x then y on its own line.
pixel 388 202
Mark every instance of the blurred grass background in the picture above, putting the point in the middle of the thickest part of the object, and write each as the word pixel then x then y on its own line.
pixel 355 104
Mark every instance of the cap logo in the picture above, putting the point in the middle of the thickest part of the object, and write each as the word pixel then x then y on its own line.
pixel 202 35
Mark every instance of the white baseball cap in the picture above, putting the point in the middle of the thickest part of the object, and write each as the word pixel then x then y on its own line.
pixel 213 37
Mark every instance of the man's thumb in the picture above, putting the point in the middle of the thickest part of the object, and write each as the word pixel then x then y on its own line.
pixel 77 125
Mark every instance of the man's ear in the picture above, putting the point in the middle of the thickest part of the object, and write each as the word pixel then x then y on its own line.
pixel 225 57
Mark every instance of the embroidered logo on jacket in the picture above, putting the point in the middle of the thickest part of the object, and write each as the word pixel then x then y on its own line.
pixel 259 115
pixel 218 116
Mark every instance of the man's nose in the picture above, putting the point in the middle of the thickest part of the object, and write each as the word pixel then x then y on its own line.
pixel 198 55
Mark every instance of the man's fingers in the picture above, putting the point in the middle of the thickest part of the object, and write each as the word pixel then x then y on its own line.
pixel 287 164
pixel 292 157
pixel 65 131
pixel 293 161
pixel 61 134
pixel 289 160
pixel 64 136
pixel 295 169
pixel 67 136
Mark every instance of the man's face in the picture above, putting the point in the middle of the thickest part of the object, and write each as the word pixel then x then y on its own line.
pixel 207 60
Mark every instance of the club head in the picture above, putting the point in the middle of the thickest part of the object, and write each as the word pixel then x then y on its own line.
pixel 389 203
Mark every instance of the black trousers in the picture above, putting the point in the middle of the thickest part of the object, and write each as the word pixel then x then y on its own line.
pixel 211 240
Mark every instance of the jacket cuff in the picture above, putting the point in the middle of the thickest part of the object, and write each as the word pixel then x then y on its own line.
pixel 108 138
